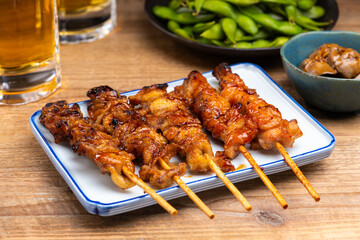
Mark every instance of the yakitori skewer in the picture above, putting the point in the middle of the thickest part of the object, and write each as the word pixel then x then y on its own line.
pixel 225 122
pixel 169 114
pixel 116 116
pixel 68 123
pixel 274 131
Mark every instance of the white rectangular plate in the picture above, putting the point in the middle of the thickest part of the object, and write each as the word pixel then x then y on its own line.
pixel 99 195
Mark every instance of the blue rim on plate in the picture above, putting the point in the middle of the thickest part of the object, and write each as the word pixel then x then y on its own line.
pixel 203 182
pixel 331 14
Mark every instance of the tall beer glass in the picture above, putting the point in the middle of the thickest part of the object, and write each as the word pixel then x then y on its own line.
pixel 29 53
pixel 85 20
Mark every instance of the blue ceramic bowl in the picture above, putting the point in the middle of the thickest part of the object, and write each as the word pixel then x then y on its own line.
pixel 327 93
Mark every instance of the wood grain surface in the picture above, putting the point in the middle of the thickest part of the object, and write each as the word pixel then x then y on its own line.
pixel 36 203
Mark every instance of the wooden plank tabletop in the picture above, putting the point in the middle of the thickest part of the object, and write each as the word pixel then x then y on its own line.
pixel 36 203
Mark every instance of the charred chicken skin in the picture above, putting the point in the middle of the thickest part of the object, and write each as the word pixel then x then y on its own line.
pixel 117 117
pixel 272 127
pixel 68 123
pixel 224 121
pixel 169 113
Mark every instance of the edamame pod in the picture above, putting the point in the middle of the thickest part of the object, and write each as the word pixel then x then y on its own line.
pixel 229 27
pixel 176 29
pixel 214 33
pixel 309 21
pixel 261 43
pixel 204 40
pixel 246 23
pixel 172 26
pixel 305 4
pixel 198 5
pixel 227 10
pixel 243 45
pixel 183 33
pixel 284 2
pixel 276 8
pixel 239 34
pixel 295 15
pixel 243 2
pixel 279 41
pixel 315 12
pixel 291 13
pixel 182 17
pixel 174 4
pixel 261 34
pixel 222 8
pixel 201 27
pixel 220 43
pixel 268 22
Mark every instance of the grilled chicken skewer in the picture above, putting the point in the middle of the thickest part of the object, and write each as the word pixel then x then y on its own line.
pixel 117 117
pixel 225 122
pixel 274 131
pixel 169 113
pixel 68 123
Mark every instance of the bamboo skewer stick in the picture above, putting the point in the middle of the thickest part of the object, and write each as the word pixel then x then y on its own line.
pixel 263 177
pixel 297 172
pixel 162 202
pixel 189 192
pixel 229 184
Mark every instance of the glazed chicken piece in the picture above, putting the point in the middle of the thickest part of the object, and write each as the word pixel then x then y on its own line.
pixel 272 128
pixel 117 117
pixel 225 122
pixel 68 123
pixel 333 59
pixel 169 113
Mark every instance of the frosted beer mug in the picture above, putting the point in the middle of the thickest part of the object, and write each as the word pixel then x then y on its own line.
pixel 85 20
pixel 29 54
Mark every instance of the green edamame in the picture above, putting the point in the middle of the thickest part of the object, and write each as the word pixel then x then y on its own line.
pixel 268 22
pixel 174 4
pixel 181 32
pixel 276 8
pixel 198 5
pixel 309 21
pixel 204 41
pixel 239 34
pixel 172 25
pixel 243 45
pixel 227 10
pixel 295 15
pixel 315 12
pixel 229 27
pixel 305 4
pixel 243 2
pixel 261 43
pixel 220 43
pixel 261 34
pixel 214 33
pixel 201 27
pixel 279 41
pixel 246 23
pixel 182 17
pixel 284 2
pixel 219 7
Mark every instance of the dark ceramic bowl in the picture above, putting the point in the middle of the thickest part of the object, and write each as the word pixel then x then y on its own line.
pixel 332 13
pixel 327 93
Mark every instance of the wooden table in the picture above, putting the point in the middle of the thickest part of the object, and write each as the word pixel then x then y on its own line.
pixel 36 203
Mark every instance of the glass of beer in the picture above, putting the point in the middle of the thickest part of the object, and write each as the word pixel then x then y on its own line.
pixel 85 20
pixel 29 53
